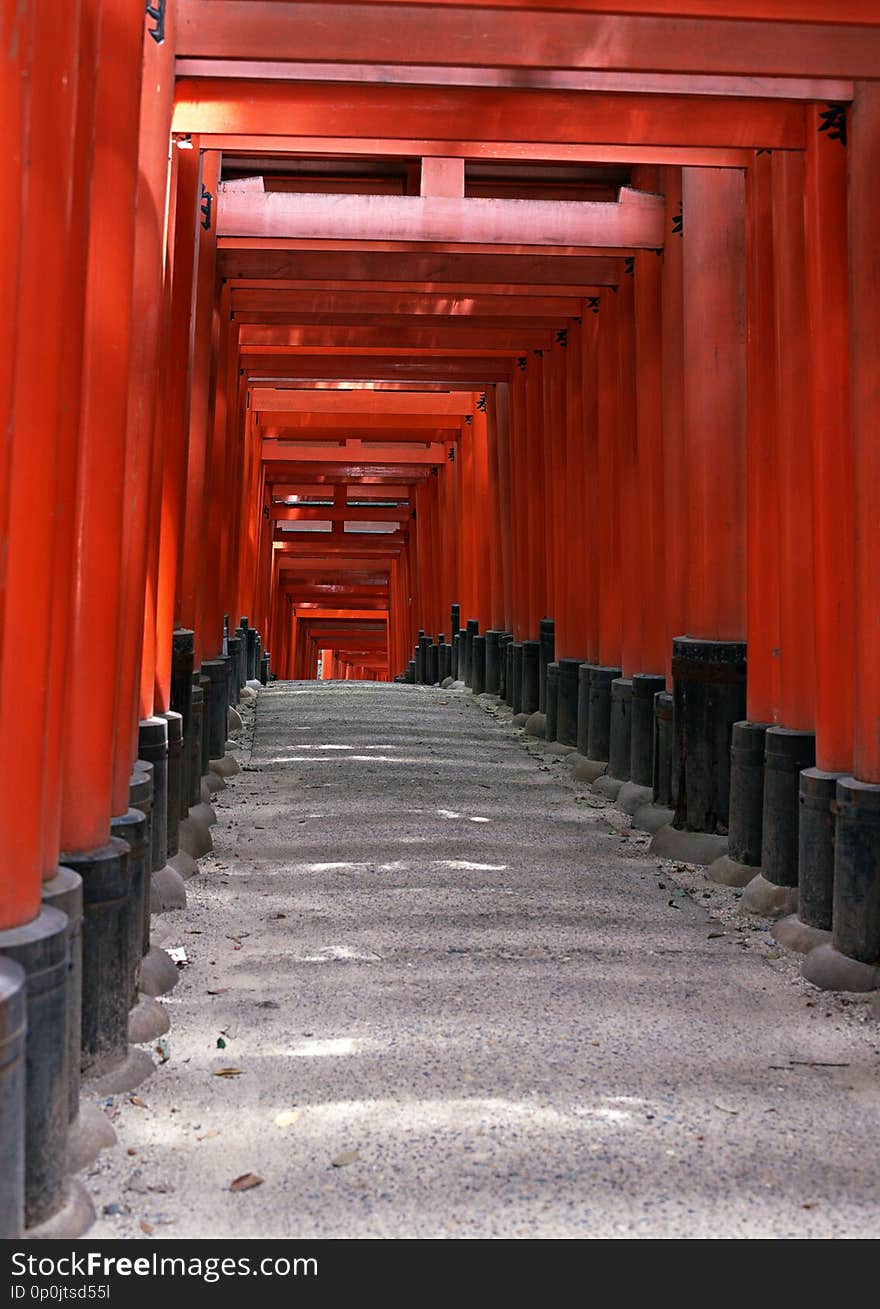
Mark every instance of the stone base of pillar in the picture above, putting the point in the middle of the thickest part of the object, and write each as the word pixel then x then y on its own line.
pixel 446 683
pixel 632 797
pixel 651 817
pixel 608 786
pixel 184 864
pixel 167 891
pixel 159 973
pixel 520 720
pixel 73 1219
pixel 234 721
pixel 767 899
pixel 727 871
pixel 688 847
pixel 13 1037
pixel 830 970
pixel 203 813
pixel 194 837
pixel 135 1068
pixel 586 770
pixel 795 935
pixel 90 1133
pixel 228 766
pixel 147 1021
pixel 536 724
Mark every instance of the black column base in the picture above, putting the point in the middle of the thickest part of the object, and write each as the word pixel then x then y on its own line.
pixel 471 630
pixel 742 861
pixel 175 781
pixel 567 702
pixel 153 749
pixel 106 991
pixel 530 697
pixel 774 891
pixel 599 740
pixel 710 696
pixel 547 641
pixel 551 727
pixel 65 893
pixel 233 654
pixel 478 664
pixel 217 672
pixel 817 797
pixel 13 1038
pixel 41 948
pixel 583 710
pixel 493 662
pixel 645 686
pixel 433 665
pixel 516 666
pixel 664 742
pixel 131 827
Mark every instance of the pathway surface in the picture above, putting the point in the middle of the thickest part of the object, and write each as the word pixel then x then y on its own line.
pixel 463 1005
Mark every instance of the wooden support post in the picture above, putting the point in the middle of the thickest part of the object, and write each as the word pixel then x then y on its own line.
pixel 714 415
pixel 794 463
pixel 93 652
pixel 828 384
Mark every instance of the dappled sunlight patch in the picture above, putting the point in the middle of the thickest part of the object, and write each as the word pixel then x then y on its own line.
pixel 469 866
pixel 332 954
pixel 315 1048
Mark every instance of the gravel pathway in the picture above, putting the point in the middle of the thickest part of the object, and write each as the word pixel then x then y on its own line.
pixel 455 997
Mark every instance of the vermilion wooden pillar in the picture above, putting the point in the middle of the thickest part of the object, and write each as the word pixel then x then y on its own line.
pixel 630 508
pixel 148 322
pixel 828 389
pixel 40 58
pixel 590 543
pixel 485 524
pixel 90 720
pixel 522 527
pixel 552 444
pixel 651 553
pixel 864 298
pixel 764 640
pixel 176 415
pixel 68 442
pixel 794 462
pixel 534 495
pixel 607 533
pixel 674 498
pixel 714 525
pixel 194 564
pixel 572 642
pixel 501 396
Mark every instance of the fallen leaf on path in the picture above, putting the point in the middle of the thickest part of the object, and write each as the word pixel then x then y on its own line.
pixel 136 1100
pixel 221 991
pixel 206 1136
pixel 221 1044
pixel 147 1227
pixel 287 1118
pixel 228 1072
pixel 246 1182
pixel 725 1108
pixel 347 1157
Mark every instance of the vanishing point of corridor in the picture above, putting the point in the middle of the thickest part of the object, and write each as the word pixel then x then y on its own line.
pixel 436 988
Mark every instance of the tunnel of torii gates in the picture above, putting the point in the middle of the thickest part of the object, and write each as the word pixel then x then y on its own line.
pixel 533 346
